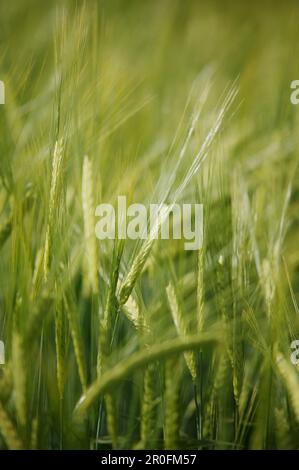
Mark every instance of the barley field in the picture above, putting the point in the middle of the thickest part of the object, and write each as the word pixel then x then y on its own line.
pixel 141 344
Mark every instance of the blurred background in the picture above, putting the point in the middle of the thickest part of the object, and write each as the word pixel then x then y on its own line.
pixel 119 81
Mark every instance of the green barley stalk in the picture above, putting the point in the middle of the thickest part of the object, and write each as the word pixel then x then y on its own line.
pixel 149 399
pixel 282 430
pixel 239 222
pixel 210 418
pixel 37 272
pixel 147 425
pixel 19 377
pixel 141 359
pixel 53 204
pixel 111 419
pixel 41 308
pixel 200 290
pixel 60 361
pixel 105 339
pixel 148 407
pixel 218 385
pixel 8 431
pixel 223 397
pixel 77 341
pixel 5 230
pixel 171 405
pixel 181 327
pixel 6 226
pixel 290 378
pixel 109 314
pixel 34 434
pixel 200 325
pixel 222 280
pixel 222 372
pixel 89 225
pixel 59 341
pixel 6 383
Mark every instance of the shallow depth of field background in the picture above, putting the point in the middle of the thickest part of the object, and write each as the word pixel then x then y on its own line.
pixel 120 82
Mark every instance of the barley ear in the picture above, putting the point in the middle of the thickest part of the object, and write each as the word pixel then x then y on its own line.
pixel 53 204
pixel 135 271
pixel 134 314
pixel 88 206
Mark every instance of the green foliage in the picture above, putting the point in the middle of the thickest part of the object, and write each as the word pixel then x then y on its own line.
pixel 143 344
